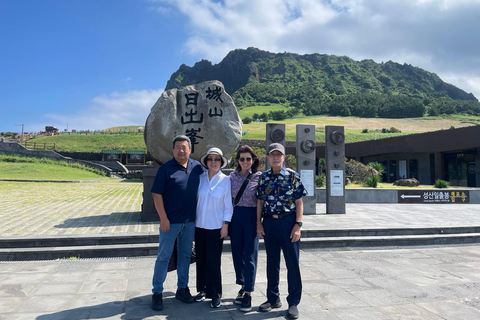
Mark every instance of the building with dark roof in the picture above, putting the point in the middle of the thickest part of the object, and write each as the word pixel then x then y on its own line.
pixel 452 155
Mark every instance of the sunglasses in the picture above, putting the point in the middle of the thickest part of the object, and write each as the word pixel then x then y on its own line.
pixel 247 159
pixel 214 159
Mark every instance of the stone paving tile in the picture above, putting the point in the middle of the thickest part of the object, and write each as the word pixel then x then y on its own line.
pixel 113 206
pixel 119 288
pixel 101 207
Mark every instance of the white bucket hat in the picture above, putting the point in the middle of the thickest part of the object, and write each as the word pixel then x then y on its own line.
pixel 217 151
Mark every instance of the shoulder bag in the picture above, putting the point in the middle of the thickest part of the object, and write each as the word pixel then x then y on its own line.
pixel 242 189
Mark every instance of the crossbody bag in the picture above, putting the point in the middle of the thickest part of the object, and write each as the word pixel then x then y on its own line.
pixel 242 189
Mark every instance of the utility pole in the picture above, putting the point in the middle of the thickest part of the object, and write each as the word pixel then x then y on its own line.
pixel 21 139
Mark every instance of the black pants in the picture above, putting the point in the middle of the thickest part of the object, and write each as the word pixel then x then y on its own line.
pixel 277 238
pixel 244 242
pixel 208 246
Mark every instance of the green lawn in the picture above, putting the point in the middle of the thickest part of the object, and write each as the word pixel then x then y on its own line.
pixel 94 142
pixel 26 168
pixel 249 111
pixel 42 171
pixel 353 127
pixel 256 130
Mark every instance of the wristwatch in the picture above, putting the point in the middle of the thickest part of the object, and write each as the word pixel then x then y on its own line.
pixel 226 222
pixel 299 223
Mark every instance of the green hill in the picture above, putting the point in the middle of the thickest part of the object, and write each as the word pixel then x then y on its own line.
pixel 320 84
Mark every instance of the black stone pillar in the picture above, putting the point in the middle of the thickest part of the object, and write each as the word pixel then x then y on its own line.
pixel 149 213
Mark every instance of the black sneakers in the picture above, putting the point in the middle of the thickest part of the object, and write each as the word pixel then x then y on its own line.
pixel 216 303
pixel 268 306
pixel 200 297
pixel 239 298
pixel 157 302
pixel 292 312
pixel 184 295
pixel 246 303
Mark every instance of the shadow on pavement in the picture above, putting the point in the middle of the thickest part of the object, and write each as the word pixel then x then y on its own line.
pixel 107 220
pixel 140 308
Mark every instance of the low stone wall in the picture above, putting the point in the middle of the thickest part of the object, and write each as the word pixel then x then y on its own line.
pixel 114 165
pixel 15 148
pixel 87 156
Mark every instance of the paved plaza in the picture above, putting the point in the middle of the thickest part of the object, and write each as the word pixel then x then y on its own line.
pixel 114 207
pixel 432 282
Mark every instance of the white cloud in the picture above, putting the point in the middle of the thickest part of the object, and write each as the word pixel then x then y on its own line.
pixel 114 109
pixel 438 36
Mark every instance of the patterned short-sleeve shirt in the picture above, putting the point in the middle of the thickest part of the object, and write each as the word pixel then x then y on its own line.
pixel 279 191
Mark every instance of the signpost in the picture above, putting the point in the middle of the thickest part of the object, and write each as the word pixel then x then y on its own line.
pixel 433 196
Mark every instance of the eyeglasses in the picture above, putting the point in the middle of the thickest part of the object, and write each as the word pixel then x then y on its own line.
pixel 214 159
pixel 247 159
pixel 275 155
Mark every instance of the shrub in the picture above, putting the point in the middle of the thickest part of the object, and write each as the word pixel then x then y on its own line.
pixel 320 181
pixel 356 171
pixel 376 168
pixel 365 131
pixel 441 184
pixel 290 161
pixel 247 120
pixel 371 181
pixel 391 130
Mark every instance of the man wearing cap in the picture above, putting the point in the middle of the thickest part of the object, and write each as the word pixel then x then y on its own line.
pixel 279 219
pixel 174 193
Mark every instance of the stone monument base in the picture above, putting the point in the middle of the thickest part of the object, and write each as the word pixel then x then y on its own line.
pixel 149 213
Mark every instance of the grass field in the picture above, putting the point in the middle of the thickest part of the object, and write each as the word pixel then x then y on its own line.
pixel 26 168
pixel 256 130
pixel 249 111
pixel 95 142
pixel 354 126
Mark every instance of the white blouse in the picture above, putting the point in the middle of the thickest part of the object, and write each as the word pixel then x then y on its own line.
pixel 214 203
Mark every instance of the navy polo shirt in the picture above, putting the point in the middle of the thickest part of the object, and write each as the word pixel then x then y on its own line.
pixel 178 186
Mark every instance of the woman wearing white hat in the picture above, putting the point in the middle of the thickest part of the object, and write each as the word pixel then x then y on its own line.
pixel 214 212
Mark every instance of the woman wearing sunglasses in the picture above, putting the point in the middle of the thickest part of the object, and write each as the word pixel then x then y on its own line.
pixel 243 227
pixel 214 212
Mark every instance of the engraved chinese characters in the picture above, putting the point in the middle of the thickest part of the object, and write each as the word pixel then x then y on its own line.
pixel 204 112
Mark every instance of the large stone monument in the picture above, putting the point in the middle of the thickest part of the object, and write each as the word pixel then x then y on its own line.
pixel 204 112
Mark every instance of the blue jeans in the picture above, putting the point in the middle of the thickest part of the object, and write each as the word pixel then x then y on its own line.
pixel 184 233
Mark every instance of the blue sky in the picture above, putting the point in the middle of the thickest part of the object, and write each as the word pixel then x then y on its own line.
pixel 94 64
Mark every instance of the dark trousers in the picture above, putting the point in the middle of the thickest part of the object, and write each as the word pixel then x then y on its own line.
pixel 208 247
pixel 277 237
pixel 244 242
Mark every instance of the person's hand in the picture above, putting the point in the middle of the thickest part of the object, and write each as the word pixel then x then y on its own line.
pixel 260 231
pixel 165 225
pixel 224 231
pixel 295 234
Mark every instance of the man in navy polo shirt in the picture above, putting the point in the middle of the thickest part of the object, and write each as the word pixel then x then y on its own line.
pixel 175 196
pixel 279 194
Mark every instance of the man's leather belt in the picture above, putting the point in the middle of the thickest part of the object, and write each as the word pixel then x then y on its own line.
pixel 278 216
